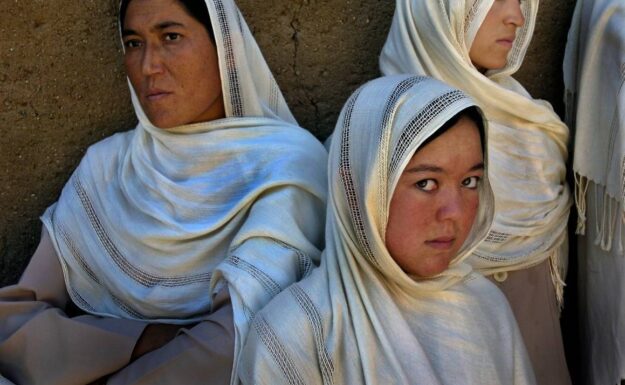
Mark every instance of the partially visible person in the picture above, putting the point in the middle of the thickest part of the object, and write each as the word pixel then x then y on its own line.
pixel 477 46
pixel 594 70
pixel 394 300
pixel 168 238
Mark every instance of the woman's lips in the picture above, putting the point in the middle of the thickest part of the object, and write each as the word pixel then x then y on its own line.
pixel 443 243
pixel 506 42
pixel 153 96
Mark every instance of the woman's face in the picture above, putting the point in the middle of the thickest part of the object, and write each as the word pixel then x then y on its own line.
pixel 435 202
pixel 496 35
pixel 172 64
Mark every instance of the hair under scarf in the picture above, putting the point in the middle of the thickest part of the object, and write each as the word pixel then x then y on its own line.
pixel 527 141
pixel 154 222
pixel 359 319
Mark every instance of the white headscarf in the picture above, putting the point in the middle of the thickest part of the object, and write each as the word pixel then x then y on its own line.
pixel 154 222
pixel 594 70
pixel 527 141
pixel 359 319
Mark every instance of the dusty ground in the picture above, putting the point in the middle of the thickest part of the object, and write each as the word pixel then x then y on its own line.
pixel 62 87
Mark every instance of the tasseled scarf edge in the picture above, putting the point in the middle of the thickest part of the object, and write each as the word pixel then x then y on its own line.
pixel 558 268
pixel 610 214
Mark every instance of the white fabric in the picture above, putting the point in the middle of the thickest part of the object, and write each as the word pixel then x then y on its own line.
pixel 527 141
pixel 359 319
pixel 154 222
pixel 594 80
pixel 594 69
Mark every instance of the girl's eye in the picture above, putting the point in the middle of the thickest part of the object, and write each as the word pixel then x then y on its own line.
pixel 172 36
pixel 471 182
pixel 426 185
pixel 132 43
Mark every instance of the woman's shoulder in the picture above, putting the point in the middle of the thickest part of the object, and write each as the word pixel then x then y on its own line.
pixel 285 334
pixel 299 304
pixel 490 302
pixel 114 142
pixel 106 153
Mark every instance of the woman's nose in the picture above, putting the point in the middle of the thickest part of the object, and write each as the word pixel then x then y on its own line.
pixel 152 62
pixel 515 13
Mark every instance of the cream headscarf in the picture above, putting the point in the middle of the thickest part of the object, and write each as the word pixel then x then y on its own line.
pixel 527 141
pixel 359 319
pixel 594 70
pixel 154 222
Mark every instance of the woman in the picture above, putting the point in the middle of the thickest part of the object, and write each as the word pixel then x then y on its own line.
pixel 594 70
pixel 477 46
pixel 394 301
pixel 170 236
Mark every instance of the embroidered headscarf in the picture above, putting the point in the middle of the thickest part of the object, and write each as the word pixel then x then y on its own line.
pixel 154 222
pixel 594 69
pixel 359 318
pixel 527 141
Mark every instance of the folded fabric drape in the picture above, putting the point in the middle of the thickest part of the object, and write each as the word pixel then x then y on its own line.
pixel 594 70
pixel 594 78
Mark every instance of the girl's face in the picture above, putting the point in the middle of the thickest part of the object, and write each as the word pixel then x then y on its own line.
pixel 496 35
pixel 172 64
pixel 435 202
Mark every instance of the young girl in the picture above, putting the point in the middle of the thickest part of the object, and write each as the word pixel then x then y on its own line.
pixel 476 45
pixel 394 301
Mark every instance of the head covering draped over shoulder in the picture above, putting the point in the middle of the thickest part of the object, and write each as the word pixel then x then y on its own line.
pixel 594 69
pixel 154 222
pixel 527 140
pixel 359 318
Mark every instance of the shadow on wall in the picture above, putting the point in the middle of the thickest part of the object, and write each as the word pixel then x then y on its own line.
pixel 63 88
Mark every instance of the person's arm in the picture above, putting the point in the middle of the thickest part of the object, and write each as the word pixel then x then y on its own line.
pixel 202 354
pixel 40 344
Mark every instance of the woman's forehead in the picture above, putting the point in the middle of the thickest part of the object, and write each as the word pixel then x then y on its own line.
pixel 155 14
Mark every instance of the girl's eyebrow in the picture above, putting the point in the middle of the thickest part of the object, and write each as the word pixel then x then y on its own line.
pixel 424 168
pixel 479 166
pixel 432 168
pixel 158 27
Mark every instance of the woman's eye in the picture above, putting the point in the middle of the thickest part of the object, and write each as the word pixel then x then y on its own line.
pixel 471 182
pixel 426 184
pixel 132 43
pixel 172 36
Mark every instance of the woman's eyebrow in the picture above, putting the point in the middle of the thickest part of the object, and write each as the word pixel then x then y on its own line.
pixel 158 27
pixel 167 24
pixel 128 32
